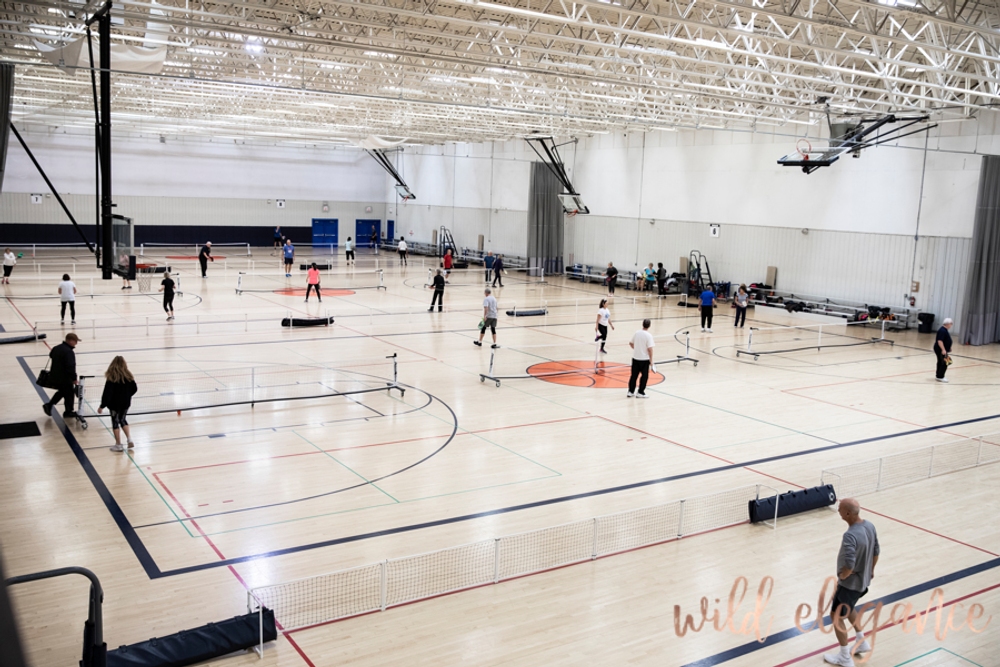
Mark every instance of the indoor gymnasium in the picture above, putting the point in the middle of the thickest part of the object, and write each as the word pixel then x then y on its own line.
pixel 500 333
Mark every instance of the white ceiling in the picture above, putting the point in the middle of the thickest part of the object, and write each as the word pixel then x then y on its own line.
pixel 476 70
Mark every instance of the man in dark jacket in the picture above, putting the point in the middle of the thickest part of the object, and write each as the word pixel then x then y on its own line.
pixel 62 375
pixel 498 270
pixel 438 287
pixel 942 349
pixel 204 257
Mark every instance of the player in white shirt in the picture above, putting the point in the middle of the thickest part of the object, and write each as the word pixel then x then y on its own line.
pixel 603 322
pixel 642 358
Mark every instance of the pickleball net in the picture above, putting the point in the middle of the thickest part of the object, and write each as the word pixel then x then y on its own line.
pixel 329 282
pixel 798 338
pixel 200 389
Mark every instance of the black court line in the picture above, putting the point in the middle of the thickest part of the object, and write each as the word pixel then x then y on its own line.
pixel 153 571
pixel 792 633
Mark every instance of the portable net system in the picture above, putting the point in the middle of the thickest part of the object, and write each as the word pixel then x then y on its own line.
pixel 329 281
pixel 200 389
pixel 787 339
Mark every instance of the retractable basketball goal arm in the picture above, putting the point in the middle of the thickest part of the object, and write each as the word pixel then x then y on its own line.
pixel 548 152
pixel 402 188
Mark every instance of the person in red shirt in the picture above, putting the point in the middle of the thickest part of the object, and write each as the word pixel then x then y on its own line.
pixel 312 282
pixel 448 262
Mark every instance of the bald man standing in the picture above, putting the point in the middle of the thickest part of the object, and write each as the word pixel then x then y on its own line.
pixel 855 568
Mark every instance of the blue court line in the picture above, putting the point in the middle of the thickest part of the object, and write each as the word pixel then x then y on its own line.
pixel 792 633
pixel 153 571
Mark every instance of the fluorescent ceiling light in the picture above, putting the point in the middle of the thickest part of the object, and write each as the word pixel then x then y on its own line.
pixel 517 10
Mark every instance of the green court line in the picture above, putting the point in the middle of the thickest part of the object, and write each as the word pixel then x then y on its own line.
pixel 367 507
pixel 924 655
pixel 344 465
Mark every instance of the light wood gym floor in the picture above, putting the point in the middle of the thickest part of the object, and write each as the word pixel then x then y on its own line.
pixel 208 497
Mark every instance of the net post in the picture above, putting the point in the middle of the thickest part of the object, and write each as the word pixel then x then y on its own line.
pixel 147 325
pixel 878 482
pixel 239 283
pixel 142 249
pixel 383 584
pixel 91 287
pixel 496 560
pixel 93 328
pixel 930 464
pixel 819 340
pixel 246 322
pixel 253 385
pixel 979 454
pixel 34 330
pixel 882 337
pixel 593 550
pixel 260 626
pixel 680 520
pixel 32 250
pixel 197 324
pixel 492 355
pixel 249 254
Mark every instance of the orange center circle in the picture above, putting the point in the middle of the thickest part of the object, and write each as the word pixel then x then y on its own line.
pixel 583 374
pixel 295 291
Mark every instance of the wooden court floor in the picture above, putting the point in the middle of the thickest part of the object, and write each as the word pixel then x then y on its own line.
pixel 215 501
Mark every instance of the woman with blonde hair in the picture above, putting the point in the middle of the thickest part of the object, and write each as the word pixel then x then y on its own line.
pixel 119 388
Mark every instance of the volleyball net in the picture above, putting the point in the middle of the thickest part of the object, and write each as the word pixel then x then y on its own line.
pixel 378 586
pixel 278 283
pixel 198 389
pixel 796 338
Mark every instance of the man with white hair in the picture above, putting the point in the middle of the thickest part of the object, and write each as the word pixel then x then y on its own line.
pixel 942 349
pixel 856 562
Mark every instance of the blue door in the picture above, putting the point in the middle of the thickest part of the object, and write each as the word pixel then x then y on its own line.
pixel 390 230
pixel 363 232
pixel 324 232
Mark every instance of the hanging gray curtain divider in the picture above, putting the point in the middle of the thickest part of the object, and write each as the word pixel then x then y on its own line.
pixel 545 220
pixel 981 319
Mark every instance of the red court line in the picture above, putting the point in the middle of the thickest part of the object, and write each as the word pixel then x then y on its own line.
pixel 888 625
pixel 12 305
pixel 231 568
pixel 866 379
pixel 375 444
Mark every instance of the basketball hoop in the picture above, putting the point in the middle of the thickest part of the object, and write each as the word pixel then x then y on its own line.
pixel 570 214
pixel 144 276
pixel 803 148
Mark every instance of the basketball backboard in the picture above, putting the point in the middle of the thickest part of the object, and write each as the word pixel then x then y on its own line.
pixel 573 204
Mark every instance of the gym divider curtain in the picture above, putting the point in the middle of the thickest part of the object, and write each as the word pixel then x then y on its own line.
pixel 981 319
pixel 545 220
pixel 6 100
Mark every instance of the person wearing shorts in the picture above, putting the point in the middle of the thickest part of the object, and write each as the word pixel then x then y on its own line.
pixel 856 560
pixel 9 260
pixel 312 282
pixel 67 295
pixel 349 250
pixel 119 388
pixel 603 322
pixel 289 252
pixel 612 278
pixel 401 249
pixel 167 287
pixel 489 319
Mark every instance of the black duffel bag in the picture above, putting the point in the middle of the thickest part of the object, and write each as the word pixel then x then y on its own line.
pixel 792 502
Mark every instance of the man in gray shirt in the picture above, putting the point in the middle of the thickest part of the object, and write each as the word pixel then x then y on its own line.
pixel 855 569
pixel 489 319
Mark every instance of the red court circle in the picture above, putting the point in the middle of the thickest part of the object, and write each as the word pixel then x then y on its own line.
pixel 582 374
pixel 295 291
pixel 191 257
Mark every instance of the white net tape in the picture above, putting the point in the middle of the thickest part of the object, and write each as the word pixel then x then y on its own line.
pixel 427 575
pixel 306 602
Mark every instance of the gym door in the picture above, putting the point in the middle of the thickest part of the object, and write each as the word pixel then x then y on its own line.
pixel 324 232
pixel 363 232
pixel 390 231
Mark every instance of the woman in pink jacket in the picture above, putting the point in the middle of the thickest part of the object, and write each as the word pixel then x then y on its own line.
pixel 312 279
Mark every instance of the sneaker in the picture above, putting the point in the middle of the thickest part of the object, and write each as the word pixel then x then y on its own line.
pixel 72 321
pixel 836 658
pixel 477 343
pixel 63 322
pixel 69 415
pixel 603 351
pixel 709 331
pixel 47 408
pixel 494 346
pixel 941 379
pixel 118 448
pixel 862 647
pixel 130 444
pixel 629 395
pixel 431 309
pixel 703 329
pixel 171 317
pixel 641 396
